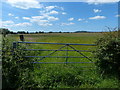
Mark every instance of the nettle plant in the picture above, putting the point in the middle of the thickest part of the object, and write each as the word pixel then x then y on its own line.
pixel 108 53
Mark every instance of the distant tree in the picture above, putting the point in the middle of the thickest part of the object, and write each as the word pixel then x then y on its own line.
pixel 50 32
pixel 60 32
pixel 36 32
pixel 81 31
pixel 21 32
pixel 41 32
pixel 27 32
pixel 4 31
pixel 11 32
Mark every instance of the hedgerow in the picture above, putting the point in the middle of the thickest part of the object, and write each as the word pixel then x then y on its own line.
pixel 108 53
pixel 16 69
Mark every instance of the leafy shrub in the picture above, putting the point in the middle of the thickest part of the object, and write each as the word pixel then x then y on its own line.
pixel 108 53
pixel 16 69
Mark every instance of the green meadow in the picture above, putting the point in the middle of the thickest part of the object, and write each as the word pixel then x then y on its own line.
pixel 67 75
pixel 87 38
pixel 79 38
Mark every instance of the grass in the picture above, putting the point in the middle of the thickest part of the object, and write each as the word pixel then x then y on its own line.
pixel 83 38
pixel 60 37
pixel 65 75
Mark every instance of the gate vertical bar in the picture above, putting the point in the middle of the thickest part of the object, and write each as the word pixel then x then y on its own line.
pixel 14 47
pixel 67 54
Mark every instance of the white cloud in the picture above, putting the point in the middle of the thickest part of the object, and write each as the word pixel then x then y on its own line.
pixel 42 20
pixel 38 21
pixel 45 24
pixel 26 18
pixel 46 13
pixel 63 24
pixel 80 19
pixel 45 17
pixel 53 12
pixel 13 24
pixel 98 17
pixel 61 8
pixel 64 13
pixel 38 17
pixel 7 23
pixel 23 24
pixel 49 11
pixel 10 14
pixel 50 7
pixel 96 10
pixel 117 15
pixel 70 19
pixel 24 4
pixel 100 1
pixel 51 18
pixel 16 17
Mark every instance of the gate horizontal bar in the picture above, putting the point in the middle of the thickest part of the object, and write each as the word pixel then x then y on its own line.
pixel 58 43
pixel 57 56
pixel 60 62
pixel 54 50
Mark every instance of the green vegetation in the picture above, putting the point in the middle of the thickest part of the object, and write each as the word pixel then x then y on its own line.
pixel 16 69
pixel 27 75
pixel 108 53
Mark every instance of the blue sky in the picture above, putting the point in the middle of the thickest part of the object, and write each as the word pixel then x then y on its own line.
pixel 33 15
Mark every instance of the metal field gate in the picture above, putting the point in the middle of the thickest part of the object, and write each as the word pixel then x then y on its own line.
pixel 59 53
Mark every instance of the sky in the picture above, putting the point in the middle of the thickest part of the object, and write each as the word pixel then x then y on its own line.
pixel 65 16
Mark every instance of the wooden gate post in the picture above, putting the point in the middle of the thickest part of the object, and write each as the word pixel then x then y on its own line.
pixel 22 38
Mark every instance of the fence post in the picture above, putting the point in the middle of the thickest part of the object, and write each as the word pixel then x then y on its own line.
pixel 22 38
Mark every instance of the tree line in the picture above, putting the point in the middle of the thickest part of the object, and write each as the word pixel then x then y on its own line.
pixel 6 31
